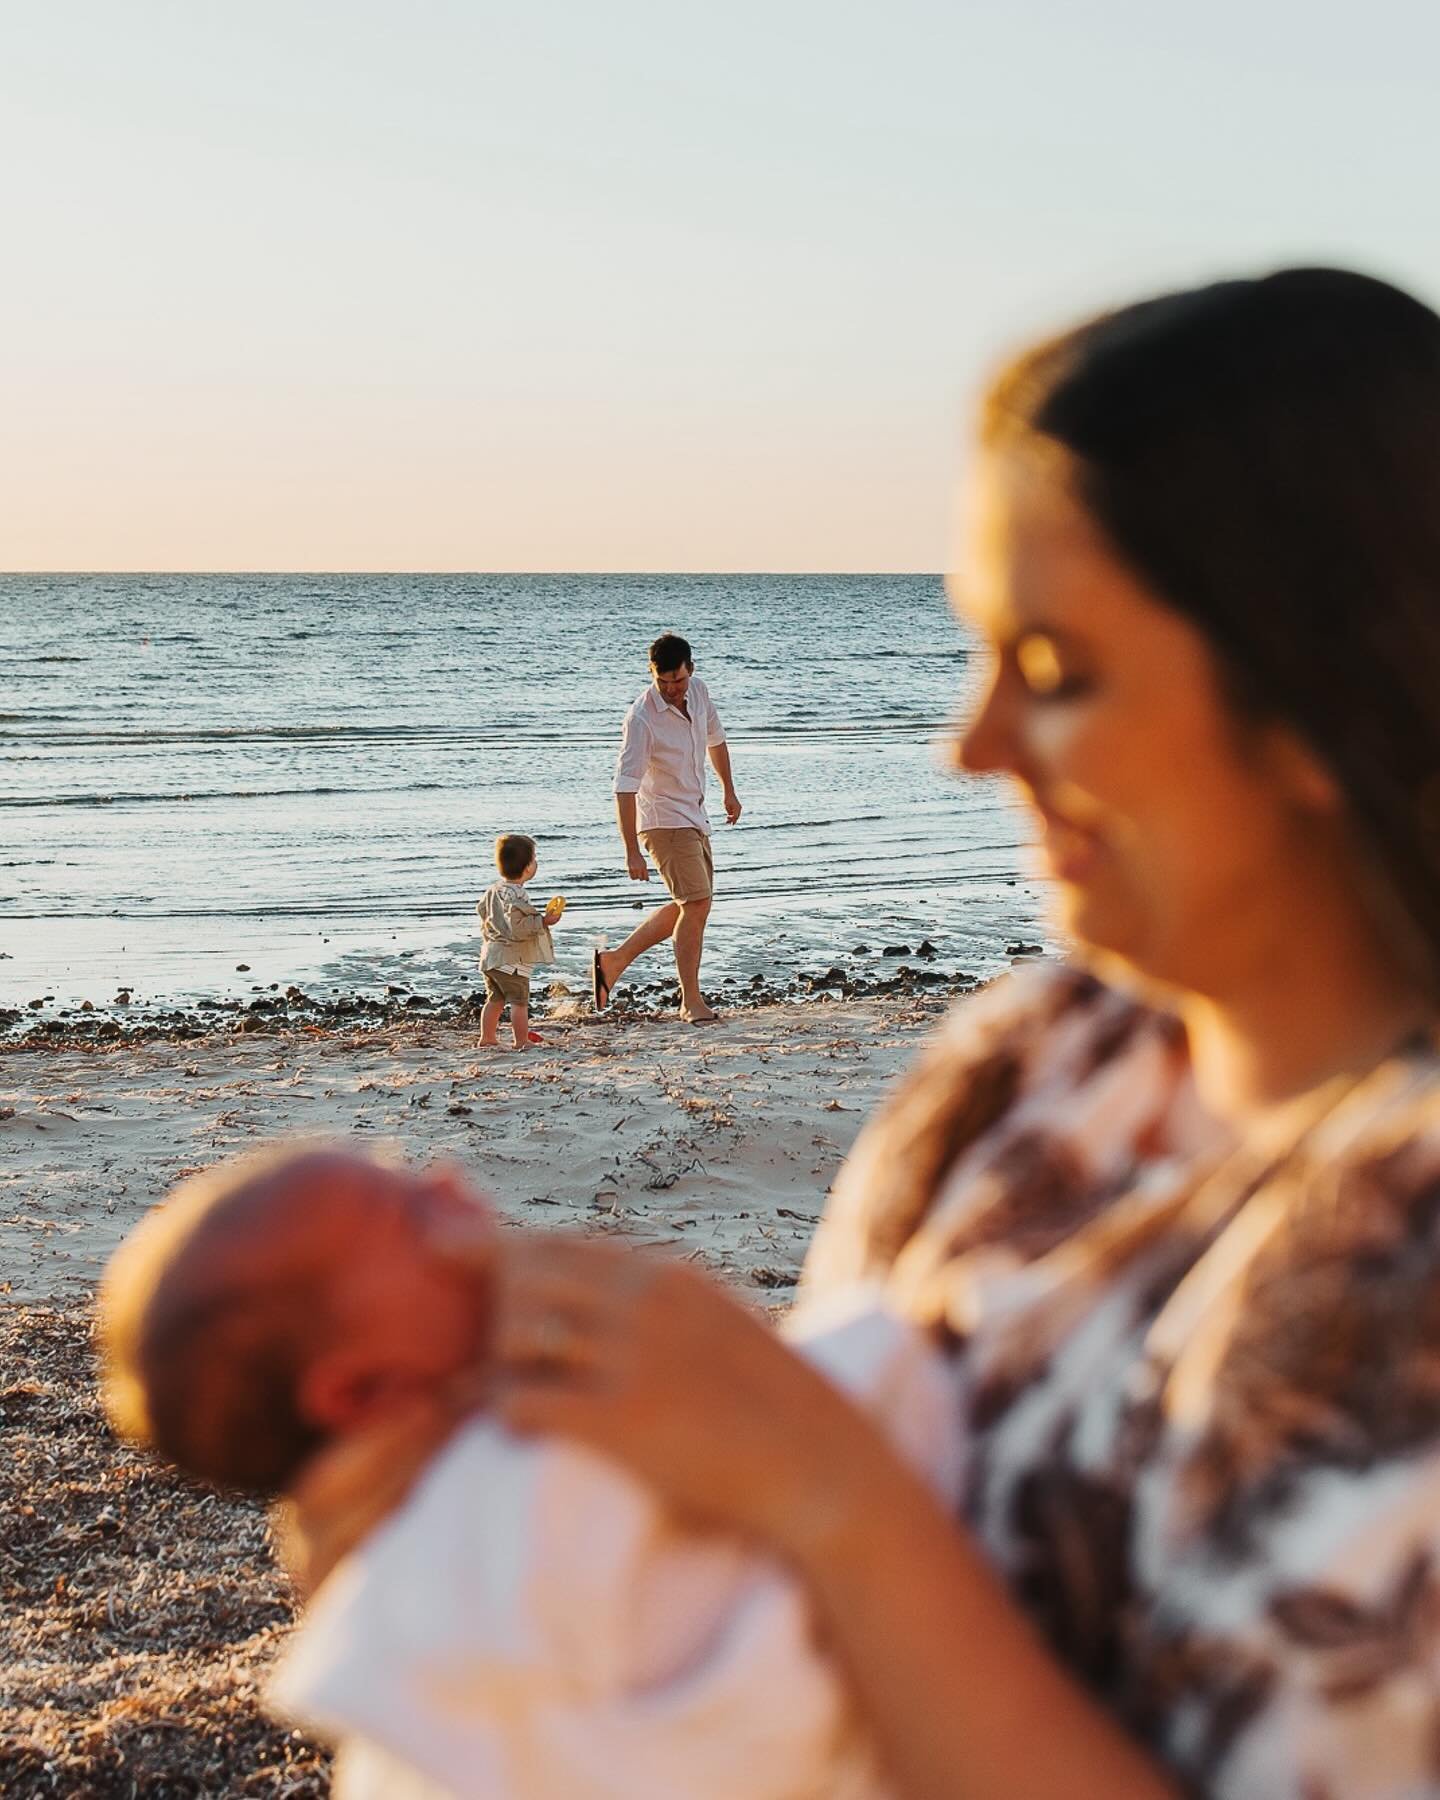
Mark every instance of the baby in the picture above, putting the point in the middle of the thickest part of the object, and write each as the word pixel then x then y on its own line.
pixel 517 937
pixel 529 1624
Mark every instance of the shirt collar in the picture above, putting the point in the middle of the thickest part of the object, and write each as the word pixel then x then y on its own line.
pixel 662 706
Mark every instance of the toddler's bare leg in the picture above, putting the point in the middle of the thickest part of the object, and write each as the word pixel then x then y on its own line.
pixel 520 1025
pixel 490 1015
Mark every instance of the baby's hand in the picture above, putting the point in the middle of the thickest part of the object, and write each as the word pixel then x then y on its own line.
pixel 357 1480
pixel 553 911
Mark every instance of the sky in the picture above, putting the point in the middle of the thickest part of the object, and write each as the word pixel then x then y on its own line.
pixel 625 284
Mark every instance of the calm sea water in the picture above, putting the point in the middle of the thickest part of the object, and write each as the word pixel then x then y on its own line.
pixel 306 774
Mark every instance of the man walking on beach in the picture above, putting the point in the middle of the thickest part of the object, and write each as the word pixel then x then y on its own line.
pixel 660 808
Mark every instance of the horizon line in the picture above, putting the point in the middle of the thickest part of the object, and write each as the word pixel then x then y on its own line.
pixel 937 574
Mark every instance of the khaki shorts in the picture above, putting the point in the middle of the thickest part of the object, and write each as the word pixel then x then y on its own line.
pixel 682 855
pixel 501 985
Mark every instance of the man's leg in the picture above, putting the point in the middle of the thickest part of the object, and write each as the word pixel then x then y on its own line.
pixel 689 942
pixel 651 931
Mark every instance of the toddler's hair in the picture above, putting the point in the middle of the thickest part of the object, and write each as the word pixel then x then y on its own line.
pixel 514 853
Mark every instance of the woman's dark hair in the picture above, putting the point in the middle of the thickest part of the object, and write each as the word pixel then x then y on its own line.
pixel 1265 454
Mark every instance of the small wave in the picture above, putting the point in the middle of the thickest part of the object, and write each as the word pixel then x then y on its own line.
pixel 479 737
pixel 293 793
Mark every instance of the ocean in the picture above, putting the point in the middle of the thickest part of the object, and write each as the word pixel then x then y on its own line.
pixel 305 774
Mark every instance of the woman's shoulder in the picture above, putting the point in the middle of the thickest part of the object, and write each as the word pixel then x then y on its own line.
pixel 1026 1061
pixel 1051 1014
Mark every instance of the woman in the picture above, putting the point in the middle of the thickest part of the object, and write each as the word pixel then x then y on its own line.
pixel 1174 1209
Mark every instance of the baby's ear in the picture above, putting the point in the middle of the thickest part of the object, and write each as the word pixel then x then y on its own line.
pixel 343 1389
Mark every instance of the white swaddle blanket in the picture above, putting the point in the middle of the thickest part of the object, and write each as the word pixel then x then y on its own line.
pixel 531 1626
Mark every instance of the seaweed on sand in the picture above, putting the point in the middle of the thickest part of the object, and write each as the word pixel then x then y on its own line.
pixel 139 1612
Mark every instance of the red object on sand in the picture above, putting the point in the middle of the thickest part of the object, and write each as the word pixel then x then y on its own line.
pixel 535 1038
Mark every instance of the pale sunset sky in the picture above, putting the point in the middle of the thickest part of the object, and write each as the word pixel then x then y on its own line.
pixel 625 284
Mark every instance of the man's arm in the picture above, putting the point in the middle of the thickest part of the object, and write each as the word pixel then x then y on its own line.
pixel 629 772
pixel 625 809
pixel 720 762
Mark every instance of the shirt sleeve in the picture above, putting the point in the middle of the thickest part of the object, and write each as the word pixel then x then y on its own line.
pixel 714 730
pixel 634 753
pixel 522 918
pixel 960 1088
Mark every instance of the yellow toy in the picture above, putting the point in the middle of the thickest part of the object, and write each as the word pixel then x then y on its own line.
pixel 557 905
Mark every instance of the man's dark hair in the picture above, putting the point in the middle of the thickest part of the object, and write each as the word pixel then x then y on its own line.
pixel 669 653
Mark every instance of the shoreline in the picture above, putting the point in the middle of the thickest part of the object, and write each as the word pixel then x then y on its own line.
pixel 276 1007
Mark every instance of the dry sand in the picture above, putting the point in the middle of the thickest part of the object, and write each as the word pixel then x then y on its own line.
pixel 138 1613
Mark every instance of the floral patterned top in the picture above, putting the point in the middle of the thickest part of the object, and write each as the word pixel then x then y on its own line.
pixel 1201 1380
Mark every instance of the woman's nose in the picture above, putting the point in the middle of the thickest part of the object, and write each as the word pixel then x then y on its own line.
pixel 984 744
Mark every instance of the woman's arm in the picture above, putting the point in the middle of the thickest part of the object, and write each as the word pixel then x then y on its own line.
pixel 661 1369
pixel 964 1699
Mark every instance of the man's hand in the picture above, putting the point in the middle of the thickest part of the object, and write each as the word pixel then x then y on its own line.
pixel 636 864
pixel 733 808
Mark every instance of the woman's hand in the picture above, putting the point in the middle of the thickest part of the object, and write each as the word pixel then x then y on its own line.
pixel 656 1365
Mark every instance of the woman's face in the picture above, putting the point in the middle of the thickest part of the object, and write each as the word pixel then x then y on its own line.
pixel 1179 837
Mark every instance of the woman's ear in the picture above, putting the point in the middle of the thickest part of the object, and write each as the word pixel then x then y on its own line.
pixel 1302 776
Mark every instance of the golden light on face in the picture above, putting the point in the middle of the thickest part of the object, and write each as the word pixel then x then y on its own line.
pixel 1166 824
pixel 1038 659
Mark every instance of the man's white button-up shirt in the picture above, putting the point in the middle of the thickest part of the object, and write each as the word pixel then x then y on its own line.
pixel 662 758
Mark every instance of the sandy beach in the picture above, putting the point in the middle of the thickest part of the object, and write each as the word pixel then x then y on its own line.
pixel 140 1613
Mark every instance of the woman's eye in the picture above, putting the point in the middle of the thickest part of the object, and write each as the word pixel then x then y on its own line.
pixel 1041 668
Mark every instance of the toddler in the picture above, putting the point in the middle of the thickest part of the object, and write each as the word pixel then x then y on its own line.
pixel 517 937
pixel 529 1624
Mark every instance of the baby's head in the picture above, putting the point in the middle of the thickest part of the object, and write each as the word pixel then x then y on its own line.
pixel 281 1300
pixel 515 856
